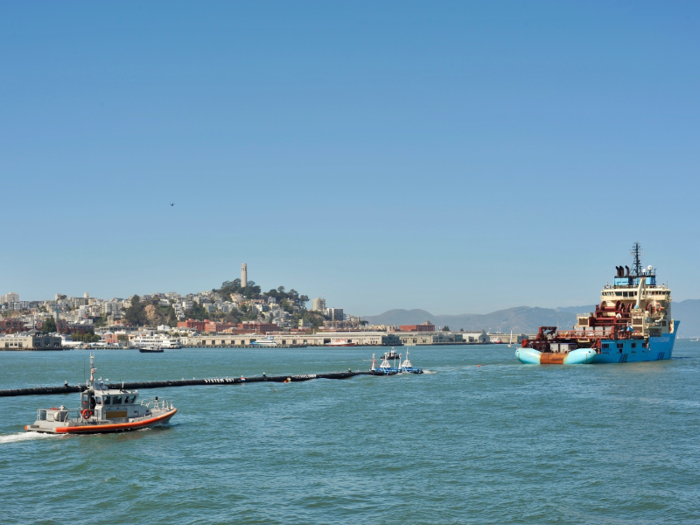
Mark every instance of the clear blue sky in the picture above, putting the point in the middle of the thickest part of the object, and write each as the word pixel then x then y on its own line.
pixel 452 156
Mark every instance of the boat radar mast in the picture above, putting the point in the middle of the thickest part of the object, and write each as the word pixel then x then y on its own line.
pixel 92 371
pixel 636 249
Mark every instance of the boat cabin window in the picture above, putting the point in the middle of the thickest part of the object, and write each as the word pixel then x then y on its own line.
pixel 634 345
pixel 107 400
pixel 117 400
pixel 606 345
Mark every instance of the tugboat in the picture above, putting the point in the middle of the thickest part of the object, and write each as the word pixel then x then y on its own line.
pixel 408 367
pixel 103 409
pixel 632 324
pixel 391 355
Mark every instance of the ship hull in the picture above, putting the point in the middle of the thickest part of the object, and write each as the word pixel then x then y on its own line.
pixel 658 349
pixel 612 351
pixel 530 356
pixel 103 428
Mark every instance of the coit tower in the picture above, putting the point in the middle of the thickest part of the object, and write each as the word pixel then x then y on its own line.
pixel 244 275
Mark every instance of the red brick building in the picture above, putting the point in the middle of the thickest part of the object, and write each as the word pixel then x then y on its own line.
pixel 191 323
pixel 425 327
pixel 211 326
pixel 110 338
pixel 63 327
pixel 9 326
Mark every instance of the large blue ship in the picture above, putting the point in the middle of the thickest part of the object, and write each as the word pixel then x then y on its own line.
pixel 631 324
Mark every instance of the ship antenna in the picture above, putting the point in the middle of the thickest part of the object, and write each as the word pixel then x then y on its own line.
pixel 92 370
pixel 636 248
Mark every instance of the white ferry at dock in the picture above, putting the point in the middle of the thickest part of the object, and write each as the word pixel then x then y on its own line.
pixel 340 342
pixel 155 341
pixel 268 342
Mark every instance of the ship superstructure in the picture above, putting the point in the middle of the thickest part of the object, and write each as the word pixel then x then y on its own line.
pixel 632 323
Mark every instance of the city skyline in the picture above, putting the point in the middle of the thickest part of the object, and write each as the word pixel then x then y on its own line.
pixel 462 160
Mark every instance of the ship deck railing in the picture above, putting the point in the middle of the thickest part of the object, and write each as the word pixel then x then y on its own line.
pixel 594 334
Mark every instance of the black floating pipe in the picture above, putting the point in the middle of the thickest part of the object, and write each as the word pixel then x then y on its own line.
pixel 68 389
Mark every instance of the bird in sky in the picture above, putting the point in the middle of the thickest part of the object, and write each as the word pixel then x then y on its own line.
pixel 172 204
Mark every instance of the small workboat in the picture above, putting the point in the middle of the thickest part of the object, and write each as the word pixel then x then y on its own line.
pixel 385 369
pixel 151 349
pixel 391 355
pixel 103 409
pixel 408 367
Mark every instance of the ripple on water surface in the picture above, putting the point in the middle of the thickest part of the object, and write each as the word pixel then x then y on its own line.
pixel 497 443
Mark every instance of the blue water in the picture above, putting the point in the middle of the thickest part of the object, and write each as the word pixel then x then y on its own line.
pixel 500 443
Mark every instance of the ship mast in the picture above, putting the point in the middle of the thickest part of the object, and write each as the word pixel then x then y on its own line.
pixel 636 249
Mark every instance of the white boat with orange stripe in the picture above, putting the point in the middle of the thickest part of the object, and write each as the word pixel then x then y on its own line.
pixel 104 409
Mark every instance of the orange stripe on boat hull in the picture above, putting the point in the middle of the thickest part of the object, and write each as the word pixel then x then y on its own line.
pixel 117 426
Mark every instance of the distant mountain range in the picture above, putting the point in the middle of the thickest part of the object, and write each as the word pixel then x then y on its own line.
pixel 526 319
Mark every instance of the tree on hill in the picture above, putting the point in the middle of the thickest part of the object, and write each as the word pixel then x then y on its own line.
pixel 157 314
pixel 445 328
pixel 292 296
pixel 315 319
pixel 49 325
pixel 252 291
pixel 233 317
pixel 87 337
pixel 135 315
pixel 172 318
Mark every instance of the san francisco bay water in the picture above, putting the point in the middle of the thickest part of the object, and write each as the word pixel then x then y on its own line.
pixel 498 443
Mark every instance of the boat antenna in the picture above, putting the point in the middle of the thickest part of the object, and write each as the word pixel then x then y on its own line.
pixel 636 249
pixel 92 370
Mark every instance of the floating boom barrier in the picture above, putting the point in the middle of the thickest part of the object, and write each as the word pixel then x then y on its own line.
pixel 68 389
